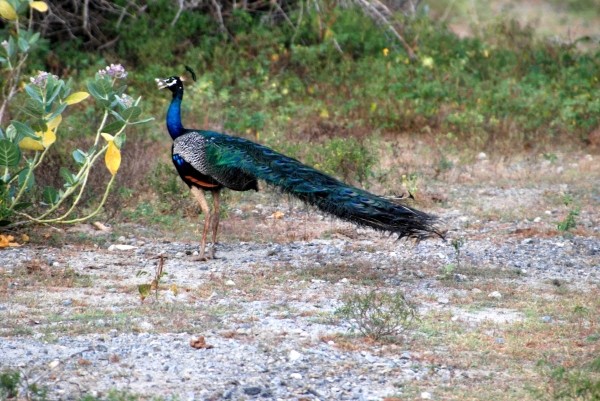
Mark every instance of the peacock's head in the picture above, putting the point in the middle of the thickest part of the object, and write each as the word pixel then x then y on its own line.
pixel 173 83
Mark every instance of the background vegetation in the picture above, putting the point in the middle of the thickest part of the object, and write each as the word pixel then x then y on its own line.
pixel 328 82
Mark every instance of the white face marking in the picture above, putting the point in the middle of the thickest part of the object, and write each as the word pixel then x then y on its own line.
pixel 164 83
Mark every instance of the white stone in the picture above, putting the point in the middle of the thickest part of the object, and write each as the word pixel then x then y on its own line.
pixel 230 283
pixel 121 247
pixel 495 295
pixel 481 156
pixel 294 355
pixel 146 326
pixel 537 219
pixel 476 291
pixel 297 376
pixel 443 300
pixel 426 396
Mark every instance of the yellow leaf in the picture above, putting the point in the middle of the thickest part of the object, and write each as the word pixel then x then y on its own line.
pixel 39 5
pixel 6 11
pixel 108 137
pixel 52 124
pixel 324 113
pixel 277 215
pixel 49 138
pixel 76 97
pixel 30 144
pixel 112 158
pixel 25 237
pixel 174 289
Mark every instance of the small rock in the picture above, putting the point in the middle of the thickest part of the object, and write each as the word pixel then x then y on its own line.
pixel 537 219
pixel 100 323
pixel 548 212
pixel 480 156
pixel 499 340
pixel 294 355
pixel 296 376
pixel 122 239
pixel 254 390
pixel 101 348
pixel 426 395
pixel 460 277
pixel 560 169
pixel 476 291
pixel 443 300
pixel 121 247
pixel 495 295
pixel 179 255
pixel 230 283
pixel 547 319
pixel 405 355
pixel 146 326
pixel 67 302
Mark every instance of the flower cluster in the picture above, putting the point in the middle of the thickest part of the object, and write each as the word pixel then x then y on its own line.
pixel 42 78
pixel 117 71
pixel 125 100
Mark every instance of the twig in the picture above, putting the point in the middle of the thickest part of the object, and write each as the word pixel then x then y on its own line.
pixel 379 17
pixel 447 11
pixel 219 16
pixel 178 13
pixel 298 23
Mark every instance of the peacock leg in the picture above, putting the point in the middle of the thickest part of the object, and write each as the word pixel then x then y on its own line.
pixel 199 194
pixel 215 221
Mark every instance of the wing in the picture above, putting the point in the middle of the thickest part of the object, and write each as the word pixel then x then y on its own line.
pixel 190 156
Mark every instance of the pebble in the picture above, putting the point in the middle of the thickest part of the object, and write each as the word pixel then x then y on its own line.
pixel 537 219
pixel 495 295
pixel 146 326
pixel 426 395
pixel 476 291
pixel 294 355
pixel 443 300
pixel 547 319
pixel 67 302
pixel 499 340
pixel 230 283
pixel 296 376
pixel 252 390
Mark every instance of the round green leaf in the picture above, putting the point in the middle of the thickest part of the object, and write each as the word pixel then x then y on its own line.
pixel 10 154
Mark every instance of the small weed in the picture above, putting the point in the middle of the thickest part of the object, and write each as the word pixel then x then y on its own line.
pixel 447 271
pixel 377 314
pixel 14 386
pixel 145 289
pixel 570 384
pixel 551 157
pixel 569 222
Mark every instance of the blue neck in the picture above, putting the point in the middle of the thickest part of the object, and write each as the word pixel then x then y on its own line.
pixel 174 116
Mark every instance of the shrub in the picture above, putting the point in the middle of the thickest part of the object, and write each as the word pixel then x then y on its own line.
pixel 377 314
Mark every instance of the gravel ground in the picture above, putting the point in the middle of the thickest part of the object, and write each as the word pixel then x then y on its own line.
pixel 265 309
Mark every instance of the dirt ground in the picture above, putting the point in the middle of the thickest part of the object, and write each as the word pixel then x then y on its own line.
pixel 516 282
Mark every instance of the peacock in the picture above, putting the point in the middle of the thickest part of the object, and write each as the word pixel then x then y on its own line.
pixel 210 161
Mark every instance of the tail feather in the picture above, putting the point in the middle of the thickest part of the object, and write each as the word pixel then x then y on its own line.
pixel 228 154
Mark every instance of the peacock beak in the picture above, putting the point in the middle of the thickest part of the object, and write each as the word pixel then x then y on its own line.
pixel 162 83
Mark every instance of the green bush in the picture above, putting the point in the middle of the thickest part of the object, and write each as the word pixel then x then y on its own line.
pixel 377 314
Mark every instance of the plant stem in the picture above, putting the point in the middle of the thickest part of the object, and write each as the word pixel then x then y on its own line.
pixel 24 185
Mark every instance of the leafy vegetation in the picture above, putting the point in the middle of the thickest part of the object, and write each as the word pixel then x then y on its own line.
pixel 377 314
pixel 571 384
pixel 47 98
